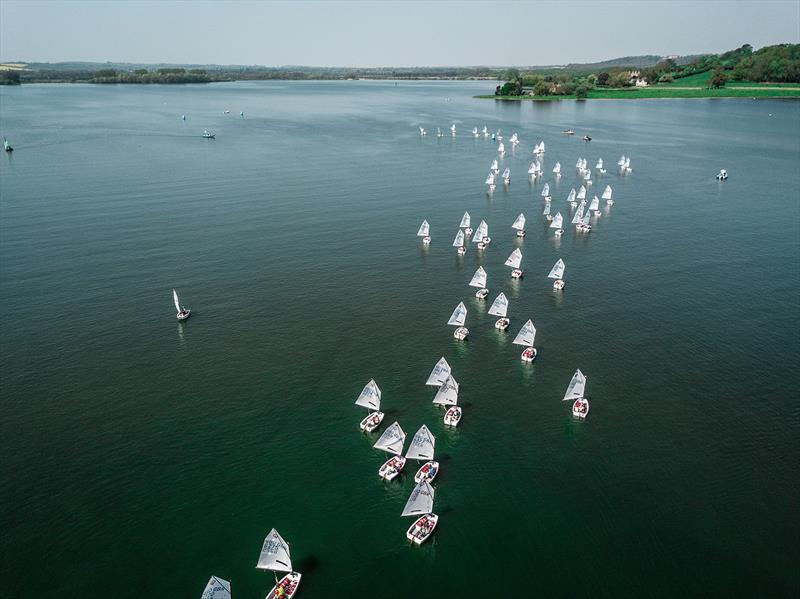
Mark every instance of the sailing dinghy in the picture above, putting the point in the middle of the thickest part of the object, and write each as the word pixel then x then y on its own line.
pixel 457 319
pixel 479 280
pixel 183 311
pixel 546 192
pixel 439 374
pixel 500 308
pixel 465 223
pixel 482 235
pixel 525 337
pixel 514 261
pixel 558 220
pixel 420 504
pixel 392 441
pixel 556 273
pixel 557 169
pixel 594 206
pixel 275 556
pixel 519 225
pixel 217 588
pixel 458 242
pixel 575 393
pixel 607 192
pixel 448 396
pixel 424 230
pixel 370 398
pixel 421 448
pixel 507 176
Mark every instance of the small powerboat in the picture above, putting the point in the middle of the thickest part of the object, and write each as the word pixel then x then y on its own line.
pixel 371 422
pixel 587 138
pixel 568 132
pixel 452 416
pixel 392 467
pixel 422 528
pixel 580 408
pixel 428 472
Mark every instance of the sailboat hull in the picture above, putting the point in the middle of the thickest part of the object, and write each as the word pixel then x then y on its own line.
pixel 392 467
pixel 558 284
pixel 452 416
pixel 502 324
pixel 428 472
pixel 183 315
pixel 422 529
pixel 580 409
pixel 528 354
pixel 371 422
pixel 289 584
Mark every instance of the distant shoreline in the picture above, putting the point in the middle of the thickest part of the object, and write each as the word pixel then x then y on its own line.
pixel 674 93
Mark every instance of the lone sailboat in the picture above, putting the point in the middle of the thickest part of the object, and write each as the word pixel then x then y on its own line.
pixel 392 441
pixel 514 261
pixel 275 556
pixel 424 230
pixel 422 448
pixel 7 146
pixel 208 135
pixel 420 504
pixel 217 588
pixel 525 337
pixel 519 225
pixel 479 280
pixel 500 308
pixel 556 273
pixel 447 395
pixel 183 311
pixel 575 392
pixel 370 398
pixel 457 319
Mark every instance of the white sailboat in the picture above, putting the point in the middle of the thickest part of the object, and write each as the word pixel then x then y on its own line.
pixel 457 319
pixel 275 556
pixel 546 212
pixel 581 193
pixel 465 223
pixel 500 308
pixel 495 168
pixel 539 148
pixel 479 280
pixel 422 131
pixel 575 393
pixel 501 149
pixel 525 337
pixel 485 131
pixel 607 192
pixel 458 242
pixel 546 191
pixel 599 165
pixel 424 230
pixel 420 504
pixel 439 132
pixel 585 226
pixel 627 166
pixel 556 273
pixel 557 169
pixel 490 182
pixel 514 261
pixel 448 396
pixel 532 168
pixel 507 176
pixel 558 220
pixel 453 129
pixel 482 235
pixel 475 132
pixel 183 311
pixel 519 225
pixel 514 139
pixel 594 206
pixel 439 374
pixel 576 220
pixel 392 441
pixel 370 398
pixel 621 161
pixel 422 448
pixel 217 588
pixel 571 198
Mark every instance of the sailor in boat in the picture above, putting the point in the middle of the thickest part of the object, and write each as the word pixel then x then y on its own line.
pixel 723 174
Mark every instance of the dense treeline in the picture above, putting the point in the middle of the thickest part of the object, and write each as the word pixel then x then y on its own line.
pixel 171 75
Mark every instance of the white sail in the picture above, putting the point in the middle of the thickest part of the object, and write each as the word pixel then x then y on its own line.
pixel 532 168
pixel 557 168
pixel 392 440
pixel 447 395
pixel 571 196
pixel 546 190
pixel 557 271
pixel 459 240
pixel 546 209
pixel 599 163
pixel 576 387
pixel 507 174
pixel 480 232
pixel 175 299
pixel 558 220
pixel 453 127
pixel 422 445
pixel 607 192
pixel 459 315
pixel 499 306
pixel 420 502
pixel 494 166
pixel 595 203
pixel 424 228
pixel 541 148
pixel 627 163
pixel 519 223
pixel 579 163
pixel 439 373
pixel 275 554
pixel 475 131
pixel 370 396
pixel 489 179
pixel 465 220
pixel 586 217
pixel 501 148
pixel 621 161
pixel 526 334
pixel 578 215
pixel 514 259
pixel 217 589
pixel 479 278
pixel 582 193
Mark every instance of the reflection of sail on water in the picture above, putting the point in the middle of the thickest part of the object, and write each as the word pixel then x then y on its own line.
pixel 479 278
pixel 447 395
pixel 526 334
pixel 557 271
pixel 422 445
pixel 370 397
pixel 275 554
pixel 576 387
pixel 392 440
pixel 439 373
pixel 420 501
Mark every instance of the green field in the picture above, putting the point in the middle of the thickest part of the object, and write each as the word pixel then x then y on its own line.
pixel 743 90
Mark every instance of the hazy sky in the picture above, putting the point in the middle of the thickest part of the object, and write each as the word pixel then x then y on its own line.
pixel 402 33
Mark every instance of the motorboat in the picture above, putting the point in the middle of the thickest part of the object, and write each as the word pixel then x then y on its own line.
pixel 452 416
pixel 568 132
pixel 428 472
pixel 392 467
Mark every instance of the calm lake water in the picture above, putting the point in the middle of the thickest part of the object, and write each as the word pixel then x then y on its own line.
pixel 140 456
